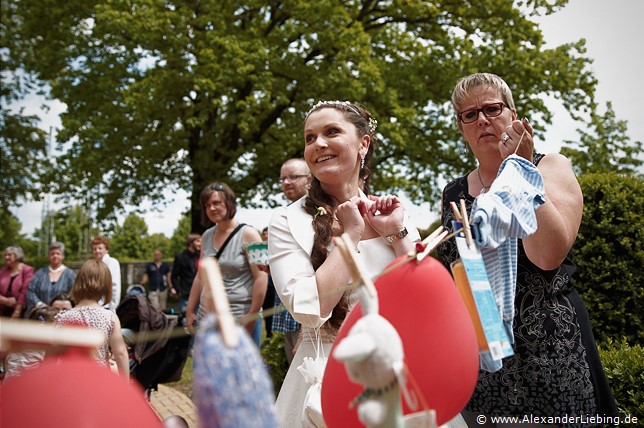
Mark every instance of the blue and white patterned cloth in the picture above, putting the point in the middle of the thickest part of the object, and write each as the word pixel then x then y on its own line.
pixel 283 321
pixel 231 386
pixel 500 216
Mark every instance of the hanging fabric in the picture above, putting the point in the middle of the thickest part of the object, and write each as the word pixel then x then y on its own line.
pixel 313 371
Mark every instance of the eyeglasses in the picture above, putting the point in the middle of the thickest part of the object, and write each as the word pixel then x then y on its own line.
pixel 217 187
pixel 490 110
pixel 292 178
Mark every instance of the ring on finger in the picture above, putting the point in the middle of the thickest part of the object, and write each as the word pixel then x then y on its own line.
pixel 505 137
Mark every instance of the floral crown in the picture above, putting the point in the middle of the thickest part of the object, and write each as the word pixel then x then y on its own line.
pixel 343 105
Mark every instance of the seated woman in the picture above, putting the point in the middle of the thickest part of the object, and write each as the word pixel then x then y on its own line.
pixel 50 281
pixel 14 279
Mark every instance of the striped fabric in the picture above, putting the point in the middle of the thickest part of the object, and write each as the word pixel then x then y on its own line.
pixel 500 216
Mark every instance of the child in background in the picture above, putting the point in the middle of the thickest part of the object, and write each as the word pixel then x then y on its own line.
pixel 62 302
pixel 93 283
pixel 17 362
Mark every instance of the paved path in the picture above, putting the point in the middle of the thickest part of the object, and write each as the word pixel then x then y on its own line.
pixel 168 401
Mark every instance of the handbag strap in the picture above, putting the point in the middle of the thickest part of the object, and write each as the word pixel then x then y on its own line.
pixel 223 246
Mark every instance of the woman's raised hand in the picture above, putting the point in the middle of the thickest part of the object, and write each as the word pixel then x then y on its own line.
pixel 518 133
pixel 385 214
pixel 349 215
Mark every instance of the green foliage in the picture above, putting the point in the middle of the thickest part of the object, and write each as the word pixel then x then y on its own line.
pixel 22 150
pixel 128 241
pixel 22 143
pixel 160 241
pixel 275 359
pixel 73 227
pixel 10 235
pixel 609 255
pixel 606 148
pixel 624 367
pixel 168 95
pixel 9 229
pixel 178 239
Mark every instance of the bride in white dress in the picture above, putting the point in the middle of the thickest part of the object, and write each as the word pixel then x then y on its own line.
pixel 309 274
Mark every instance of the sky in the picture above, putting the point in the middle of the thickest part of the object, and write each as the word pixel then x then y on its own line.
pixel 614 38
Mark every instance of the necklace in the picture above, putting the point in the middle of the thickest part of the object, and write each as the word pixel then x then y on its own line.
pixel 484 187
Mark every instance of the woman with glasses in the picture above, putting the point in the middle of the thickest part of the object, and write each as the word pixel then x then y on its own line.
pixel 555 369
pixel 245 284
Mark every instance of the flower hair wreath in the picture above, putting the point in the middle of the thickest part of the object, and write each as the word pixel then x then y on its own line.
pixel 344 105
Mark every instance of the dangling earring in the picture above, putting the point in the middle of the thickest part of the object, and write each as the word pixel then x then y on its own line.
pixel 361 163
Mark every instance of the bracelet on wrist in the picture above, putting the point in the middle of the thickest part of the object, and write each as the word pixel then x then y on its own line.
pixel 397 236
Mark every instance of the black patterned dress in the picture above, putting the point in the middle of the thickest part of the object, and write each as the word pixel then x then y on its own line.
pixel 556 368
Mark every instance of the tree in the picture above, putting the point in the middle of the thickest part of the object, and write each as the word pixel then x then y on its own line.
pixel 22 143
pixel 178 239
pixel 173 94
pixel 9 229
pixel 160 241
pixel 129 240
pixel 605 147
pixel 70 225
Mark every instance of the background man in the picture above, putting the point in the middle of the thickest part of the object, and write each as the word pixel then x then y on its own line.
pixel 100 248
pixel 296 179
pixel 158 274
pixel 184 269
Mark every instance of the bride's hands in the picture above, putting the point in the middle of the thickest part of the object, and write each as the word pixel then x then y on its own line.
pixel 385 214
pixel 349 215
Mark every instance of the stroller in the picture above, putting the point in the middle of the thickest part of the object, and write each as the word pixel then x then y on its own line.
pixel 159 359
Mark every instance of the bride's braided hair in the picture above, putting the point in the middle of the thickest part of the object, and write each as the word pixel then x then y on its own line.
pixel 323 225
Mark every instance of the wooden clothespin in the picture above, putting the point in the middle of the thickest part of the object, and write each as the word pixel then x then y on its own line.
pixel 20 335
pixel 435 238
pixel 455 211
pixel 466 224
pixel 211 276
pixel 345 245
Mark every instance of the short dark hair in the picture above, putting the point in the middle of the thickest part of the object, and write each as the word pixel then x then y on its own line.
pixel 192 238
pixel 43 314
pixel 63 297
pixel 229 199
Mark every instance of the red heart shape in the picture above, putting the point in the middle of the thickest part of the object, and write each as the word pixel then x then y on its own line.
pixel 441 352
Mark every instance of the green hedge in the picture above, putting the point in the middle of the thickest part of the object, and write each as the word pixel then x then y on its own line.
pixel 610 256
pixel 624 367
pixel 275 359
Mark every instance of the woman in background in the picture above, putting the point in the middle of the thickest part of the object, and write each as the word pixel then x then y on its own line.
pixel 50 281
pixel 245 283
pixel 14 279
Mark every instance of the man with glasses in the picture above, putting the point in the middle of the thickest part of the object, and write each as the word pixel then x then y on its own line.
pixel 296 179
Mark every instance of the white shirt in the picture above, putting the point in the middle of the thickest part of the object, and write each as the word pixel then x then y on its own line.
pixel 115 270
